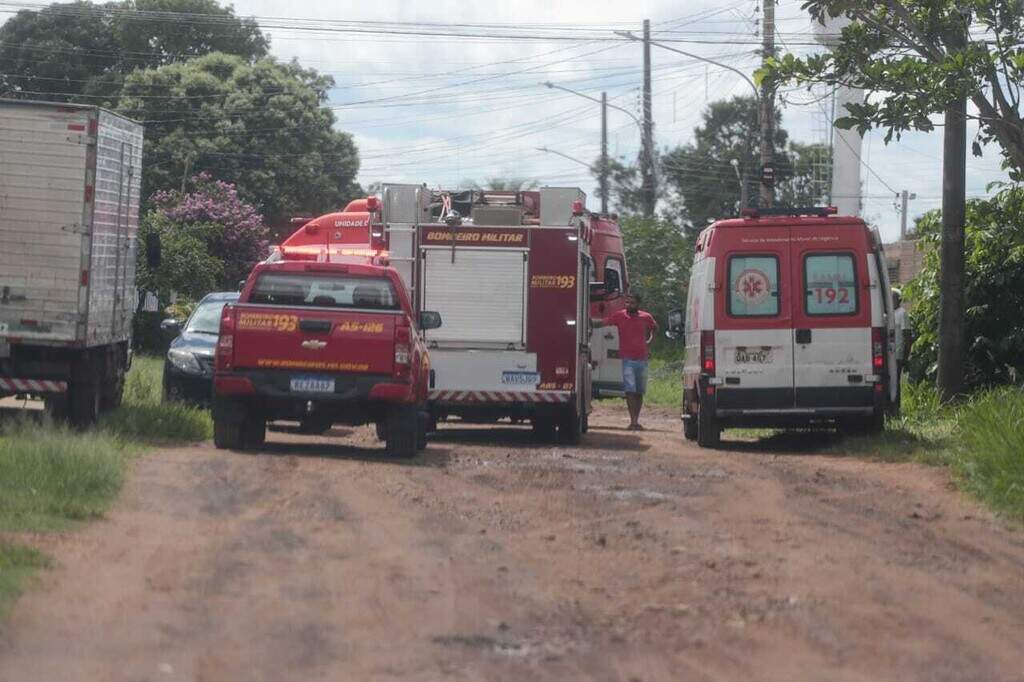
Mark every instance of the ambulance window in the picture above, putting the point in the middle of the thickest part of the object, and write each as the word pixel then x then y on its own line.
pixel 831 281
pixel 753 286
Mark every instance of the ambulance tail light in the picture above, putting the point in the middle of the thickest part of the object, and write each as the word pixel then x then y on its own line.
pixel 878 349
pixel 707 352
pixel 403 349
pixel 225 358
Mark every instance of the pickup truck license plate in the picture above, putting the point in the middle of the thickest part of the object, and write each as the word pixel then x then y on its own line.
pixel 520 378
pixel 306 384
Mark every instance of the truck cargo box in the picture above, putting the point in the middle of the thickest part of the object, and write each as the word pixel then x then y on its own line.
pixel 70 178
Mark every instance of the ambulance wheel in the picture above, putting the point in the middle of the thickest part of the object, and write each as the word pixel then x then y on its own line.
pixel 690 427
pixel 543 428
pixel 570 427
pixel 585 425
pixel 402 432
pixel 709 431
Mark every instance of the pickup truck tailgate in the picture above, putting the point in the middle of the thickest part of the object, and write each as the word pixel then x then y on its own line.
pixel 314 339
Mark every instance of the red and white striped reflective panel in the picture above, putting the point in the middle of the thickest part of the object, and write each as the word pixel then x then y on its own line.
pixel 501 396
pixel 33 385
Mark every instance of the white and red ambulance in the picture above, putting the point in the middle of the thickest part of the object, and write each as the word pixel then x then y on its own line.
pixel 788 323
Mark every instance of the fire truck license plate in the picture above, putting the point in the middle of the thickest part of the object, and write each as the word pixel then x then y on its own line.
pixel 520 378
pixel 305 384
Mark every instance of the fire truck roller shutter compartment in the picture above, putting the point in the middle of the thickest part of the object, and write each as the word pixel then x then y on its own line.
pixel 496 315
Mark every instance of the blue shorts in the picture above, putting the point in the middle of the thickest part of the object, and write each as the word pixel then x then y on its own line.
pixel 634 376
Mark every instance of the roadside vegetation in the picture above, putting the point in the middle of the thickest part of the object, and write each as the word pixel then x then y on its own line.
pixel 981 439
pixel 52 477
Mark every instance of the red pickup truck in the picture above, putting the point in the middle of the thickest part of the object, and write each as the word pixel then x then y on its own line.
pixel 321 343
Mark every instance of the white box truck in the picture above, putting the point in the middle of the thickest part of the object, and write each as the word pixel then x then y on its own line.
pixel 70 178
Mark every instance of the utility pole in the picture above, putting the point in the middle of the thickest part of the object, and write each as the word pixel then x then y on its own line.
pixel 603 177
pixel 767 108
pixel 905 198
pixel 648 189
pixel 952 278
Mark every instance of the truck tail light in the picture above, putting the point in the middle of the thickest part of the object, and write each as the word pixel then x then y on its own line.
pixel 878 349
pixel 403 350
pixel 225 358
pixel 707 352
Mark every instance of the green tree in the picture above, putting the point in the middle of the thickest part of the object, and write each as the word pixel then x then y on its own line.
pixel 704 176
pixel 659 255
pixel 994 326
pixel 82 51
pixel 210 239
pixel 920 57
pixel 261 126
pixel 915 59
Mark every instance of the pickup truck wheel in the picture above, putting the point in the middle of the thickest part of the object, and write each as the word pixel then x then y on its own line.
pixel 227 435
pixel 709 431
pixel 402 432
pixel 422 427
pixel 570 427
pixel 254 432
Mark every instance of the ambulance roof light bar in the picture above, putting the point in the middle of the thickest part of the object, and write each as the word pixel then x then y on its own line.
pixel 817 211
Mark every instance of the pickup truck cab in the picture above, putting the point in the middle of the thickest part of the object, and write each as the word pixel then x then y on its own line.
pixel 321 343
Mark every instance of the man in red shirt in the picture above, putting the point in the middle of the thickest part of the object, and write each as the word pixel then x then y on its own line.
pixel 636 332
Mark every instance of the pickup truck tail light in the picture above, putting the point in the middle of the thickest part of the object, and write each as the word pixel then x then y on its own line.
pixel 403 349
pixel 707 352
pixel 225 358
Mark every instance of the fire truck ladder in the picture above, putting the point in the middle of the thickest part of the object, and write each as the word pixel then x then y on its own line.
pixel 402 209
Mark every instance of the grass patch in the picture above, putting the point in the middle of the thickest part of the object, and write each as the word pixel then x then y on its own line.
pixel 145 418
pixel 50 475
pixel 17 564
pixel 988 458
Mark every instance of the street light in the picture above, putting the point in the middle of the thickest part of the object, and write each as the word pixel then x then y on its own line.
pixel 636 120
pixel 564 156
pixel 767 145
pixel 757 92
pixel 647 161
pixel 743 186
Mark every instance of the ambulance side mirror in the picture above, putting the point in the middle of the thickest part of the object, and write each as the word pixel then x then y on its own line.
pixel 676 326
pixel 429 319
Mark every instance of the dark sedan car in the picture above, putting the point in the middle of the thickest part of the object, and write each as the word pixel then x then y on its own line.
pixel 188 367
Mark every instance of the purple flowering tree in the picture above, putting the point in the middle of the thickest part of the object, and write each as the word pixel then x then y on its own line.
pixel 211 238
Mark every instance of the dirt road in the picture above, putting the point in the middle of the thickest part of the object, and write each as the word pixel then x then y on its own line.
pixel 633 557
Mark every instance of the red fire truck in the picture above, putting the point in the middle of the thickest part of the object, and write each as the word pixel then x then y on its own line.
pixel 509 273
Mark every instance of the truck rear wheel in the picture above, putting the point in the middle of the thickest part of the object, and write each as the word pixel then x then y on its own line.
pixel 690 427
pixel 543 428
pixel 709 431
pixel 402 432
pixel 570 427
pixel 84 403
pixel 113 392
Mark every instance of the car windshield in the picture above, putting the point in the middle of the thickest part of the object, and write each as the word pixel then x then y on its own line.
pixel 206 318
pixel 325 291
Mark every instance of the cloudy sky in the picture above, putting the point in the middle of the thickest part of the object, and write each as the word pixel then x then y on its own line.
pixel 444 108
